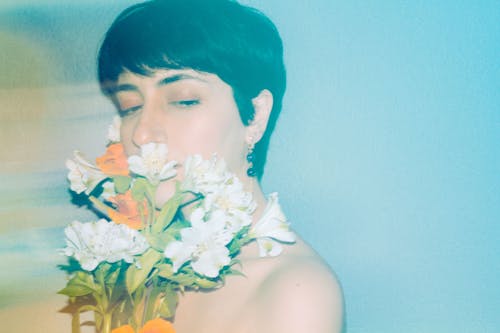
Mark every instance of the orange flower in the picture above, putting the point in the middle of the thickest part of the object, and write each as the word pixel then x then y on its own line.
pixel 157 325
pixel 123 219
pixel 114 161
pixel 123 329
pixel 127 211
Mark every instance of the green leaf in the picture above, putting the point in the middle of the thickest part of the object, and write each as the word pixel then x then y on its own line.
pixel 205 283
pixel 140 188
pixel 234 247
pixel 235 272
pixel 183 279
pixel 165 271
pixel 152 300
pixel 75 290
pixel 137 276
pixel 160 241
pixel 101 271
pixel 167 213
pixel 80 285
pixel 169 302
pixel 112 275
pixel 122 183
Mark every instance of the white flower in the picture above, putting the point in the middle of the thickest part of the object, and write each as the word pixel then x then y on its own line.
pixel 272 228
pixel 114 130
pixel 153 163
pixel 108 190
pixel 204 244
pixel 82 175
pixel 237 203
pixel 95 242
pixel 222 190
pixel 203 176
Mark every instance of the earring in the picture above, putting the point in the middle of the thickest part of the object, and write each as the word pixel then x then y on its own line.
pixel 250 159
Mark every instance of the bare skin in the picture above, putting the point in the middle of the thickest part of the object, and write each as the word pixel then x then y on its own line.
pixel 295 292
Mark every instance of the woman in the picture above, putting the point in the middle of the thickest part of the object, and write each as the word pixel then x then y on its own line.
pixel 208 77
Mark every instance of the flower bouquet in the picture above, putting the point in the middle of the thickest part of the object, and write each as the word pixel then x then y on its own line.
pixel 129 267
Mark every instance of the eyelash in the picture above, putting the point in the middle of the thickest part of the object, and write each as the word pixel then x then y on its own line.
pixel 183 104
pixel 129 111
pixel 186 103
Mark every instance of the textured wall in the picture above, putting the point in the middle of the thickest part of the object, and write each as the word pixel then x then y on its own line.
pixel 387 156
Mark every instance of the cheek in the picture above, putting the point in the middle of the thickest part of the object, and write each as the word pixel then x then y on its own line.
pixel 126 132
pixel 204 136
pixel 224 135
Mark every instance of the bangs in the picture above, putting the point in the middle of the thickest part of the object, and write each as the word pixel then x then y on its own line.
pixel 142 40
pixel 242 47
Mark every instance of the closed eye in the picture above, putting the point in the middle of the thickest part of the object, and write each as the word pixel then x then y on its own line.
pixel 186 103
pixel 128 111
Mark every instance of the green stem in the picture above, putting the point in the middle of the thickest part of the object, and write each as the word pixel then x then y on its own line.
pixel 150 305
pixel 197 196
pixel 99 205
pixel 75 322
pixel 106 323
pixel 150 198
pixel 104 307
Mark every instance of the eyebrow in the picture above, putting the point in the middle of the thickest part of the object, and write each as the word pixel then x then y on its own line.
pixel 178 77
pixel 165 81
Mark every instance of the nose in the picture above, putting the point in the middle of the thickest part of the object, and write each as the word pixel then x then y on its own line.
pixel 149 127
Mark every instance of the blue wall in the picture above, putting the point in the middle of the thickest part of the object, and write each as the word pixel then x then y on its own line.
pixel 387 156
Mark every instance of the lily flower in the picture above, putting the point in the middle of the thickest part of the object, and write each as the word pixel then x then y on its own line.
pixel 114 161
pixel 128 210
pixel 114 130
pixel 271 229
pixel 237 203
pixel 83 176
pixel 204 244
pixel 204 176
pixel 153 163
pixel 108 192
pixel 95 242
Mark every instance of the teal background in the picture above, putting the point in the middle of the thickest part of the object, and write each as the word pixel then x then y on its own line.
pixel 387 155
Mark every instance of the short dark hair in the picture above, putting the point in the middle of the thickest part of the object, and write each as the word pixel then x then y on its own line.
pixel 238 43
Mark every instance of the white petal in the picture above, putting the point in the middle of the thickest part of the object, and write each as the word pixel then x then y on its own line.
pixel 211 261
pixel 95 242
pixel 273 223
pixel 136 165
pixel 114 130
pixel 178 253
pixel 269 247
pixel 168 171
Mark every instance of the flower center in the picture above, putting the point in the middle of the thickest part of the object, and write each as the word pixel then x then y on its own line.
pixel 155 165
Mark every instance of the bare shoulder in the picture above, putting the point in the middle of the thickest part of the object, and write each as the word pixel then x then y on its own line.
pixel 302 294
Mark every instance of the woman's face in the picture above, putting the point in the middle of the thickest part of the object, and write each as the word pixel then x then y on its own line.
pixel 192 112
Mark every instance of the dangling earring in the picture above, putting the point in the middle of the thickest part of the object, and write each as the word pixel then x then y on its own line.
pixel 250 159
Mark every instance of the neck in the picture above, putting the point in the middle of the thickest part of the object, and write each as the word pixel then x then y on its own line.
pixel 258 196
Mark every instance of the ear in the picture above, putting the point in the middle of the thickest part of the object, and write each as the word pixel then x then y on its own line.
pixel 262 104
